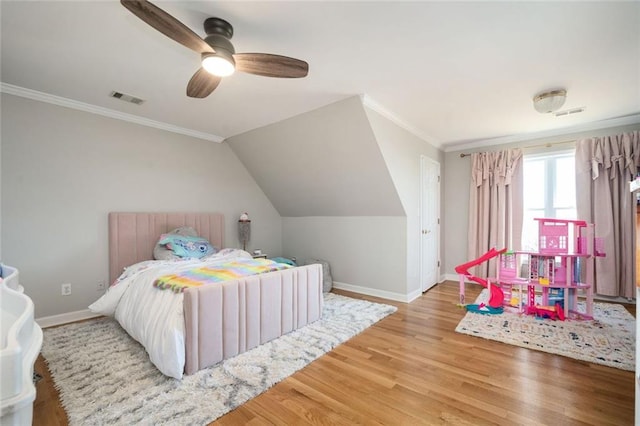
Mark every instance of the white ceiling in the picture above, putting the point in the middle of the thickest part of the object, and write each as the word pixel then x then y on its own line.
pixel 452 72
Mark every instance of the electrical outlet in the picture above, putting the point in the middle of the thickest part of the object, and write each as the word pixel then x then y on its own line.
pixel 66 289
pixel 102 285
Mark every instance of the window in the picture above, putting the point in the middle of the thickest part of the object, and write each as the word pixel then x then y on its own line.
pixel 549 191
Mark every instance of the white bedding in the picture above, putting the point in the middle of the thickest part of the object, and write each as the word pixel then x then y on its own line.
pixel 155 317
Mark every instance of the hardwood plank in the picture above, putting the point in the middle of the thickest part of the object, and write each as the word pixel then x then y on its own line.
pixel 412 368
pixel 47 410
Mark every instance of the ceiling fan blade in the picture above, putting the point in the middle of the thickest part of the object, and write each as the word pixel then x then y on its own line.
pixel 167 24
pixel 202 84
pixel 269 65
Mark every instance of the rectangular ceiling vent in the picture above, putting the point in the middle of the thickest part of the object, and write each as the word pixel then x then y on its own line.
pixel 569 111
pixel 127 98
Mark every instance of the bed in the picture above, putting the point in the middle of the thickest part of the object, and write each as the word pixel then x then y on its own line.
pixel 186 332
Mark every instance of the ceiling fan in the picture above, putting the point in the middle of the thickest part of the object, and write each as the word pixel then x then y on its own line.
pixel 218 54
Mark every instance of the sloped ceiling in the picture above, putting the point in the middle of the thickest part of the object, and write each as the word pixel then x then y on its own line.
pixel 325 162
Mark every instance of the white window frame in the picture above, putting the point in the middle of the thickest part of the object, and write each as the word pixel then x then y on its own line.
pixel 550 173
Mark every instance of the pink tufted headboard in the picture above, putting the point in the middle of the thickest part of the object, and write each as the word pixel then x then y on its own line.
pixel 132 236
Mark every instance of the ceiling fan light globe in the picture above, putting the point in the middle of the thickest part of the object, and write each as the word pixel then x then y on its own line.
pixel 218 65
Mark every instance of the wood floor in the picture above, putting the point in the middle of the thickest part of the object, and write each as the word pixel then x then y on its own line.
pixel 412 368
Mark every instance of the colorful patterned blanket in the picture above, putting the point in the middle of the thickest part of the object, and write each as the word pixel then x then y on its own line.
pixel 222 272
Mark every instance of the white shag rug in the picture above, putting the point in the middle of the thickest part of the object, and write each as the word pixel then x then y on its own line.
pixel 105 377
pixel 608 339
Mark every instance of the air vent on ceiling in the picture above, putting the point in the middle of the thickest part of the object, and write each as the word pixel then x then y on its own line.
pixel 127 98
pixel 569 111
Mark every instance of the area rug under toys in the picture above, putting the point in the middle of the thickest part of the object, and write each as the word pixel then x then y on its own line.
pixel 608 339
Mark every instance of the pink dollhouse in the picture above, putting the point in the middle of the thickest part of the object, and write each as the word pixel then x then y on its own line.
pixel 562 268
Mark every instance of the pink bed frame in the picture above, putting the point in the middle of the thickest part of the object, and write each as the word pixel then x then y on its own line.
pixel 225 319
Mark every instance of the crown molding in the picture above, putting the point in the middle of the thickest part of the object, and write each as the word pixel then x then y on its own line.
pixel 375 106
pixel 594 125
pixel 35 95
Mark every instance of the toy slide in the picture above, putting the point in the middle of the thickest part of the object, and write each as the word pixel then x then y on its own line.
pixel 496 297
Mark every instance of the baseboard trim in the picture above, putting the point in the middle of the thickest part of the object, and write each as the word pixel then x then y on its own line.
pixel 456 278
pixel 614 299
pixel 413 295
pixel 54 320
pixel 398 297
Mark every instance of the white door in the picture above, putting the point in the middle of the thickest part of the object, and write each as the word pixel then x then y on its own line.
pixel 429 222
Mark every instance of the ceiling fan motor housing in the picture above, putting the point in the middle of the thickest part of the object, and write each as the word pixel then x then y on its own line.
pixel 218 26
pixel 218 33
pixel 219 42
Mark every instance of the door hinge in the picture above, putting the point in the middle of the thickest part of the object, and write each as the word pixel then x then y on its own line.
pixel 438 178
pixel 438 221
pixel 438 263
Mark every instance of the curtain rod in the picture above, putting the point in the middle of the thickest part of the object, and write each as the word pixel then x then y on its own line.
pixel 545 145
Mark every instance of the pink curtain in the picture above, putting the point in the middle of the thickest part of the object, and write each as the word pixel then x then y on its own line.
pixel 495 205
pixel 604 167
